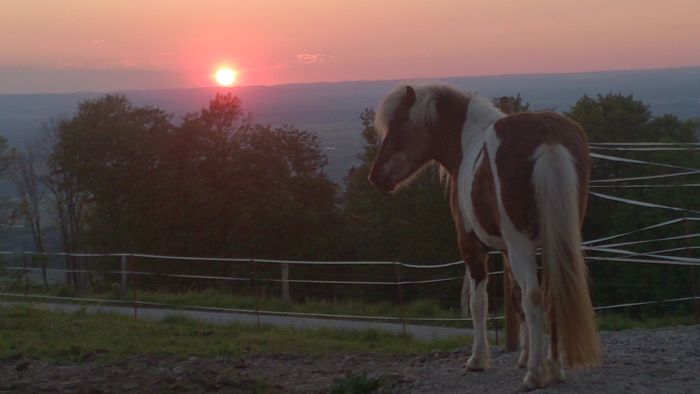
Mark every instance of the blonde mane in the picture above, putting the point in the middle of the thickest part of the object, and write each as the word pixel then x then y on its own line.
pixel 424 110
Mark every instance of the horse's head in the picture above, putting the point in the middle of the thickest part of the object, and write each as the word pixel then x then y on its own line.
pixel 406 145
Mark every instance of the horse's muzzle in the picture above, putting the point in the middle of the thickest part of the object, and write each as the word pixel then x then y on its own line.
pixel 381 182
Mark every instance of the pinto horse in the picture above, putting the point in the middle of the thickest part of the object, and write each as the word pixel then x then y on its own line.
pixel 517 183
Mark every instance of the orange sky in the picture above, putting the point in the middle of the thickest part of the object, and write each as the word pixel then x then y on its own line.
pixel 68 45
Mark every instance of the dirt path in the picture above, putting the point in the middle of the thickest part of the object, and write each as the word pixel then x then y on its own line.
pixel 637 361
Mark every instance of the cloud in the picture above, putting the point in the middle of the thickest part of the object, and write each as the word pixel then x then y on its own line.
pixel 312 58
pixel 127 63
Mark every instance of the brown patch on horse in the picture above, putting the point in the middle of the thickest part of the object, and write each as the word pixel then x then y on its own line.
pixel 484 197
pixel 520 135
pixel 473 251
pixel 447 138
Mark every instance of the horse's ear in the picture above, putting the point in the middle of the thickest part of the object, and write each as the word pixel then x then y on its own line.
pixel 410 98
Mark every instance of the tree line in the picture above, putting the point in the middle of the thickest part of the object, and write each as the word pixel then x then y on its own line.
pixel 216 183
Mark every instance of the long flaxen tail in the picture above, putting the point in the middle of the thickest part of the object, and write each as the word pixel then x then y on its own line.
pixel 565 276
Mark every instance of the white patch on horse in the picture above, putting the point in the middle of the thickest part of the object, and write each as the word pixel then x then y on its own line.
pixel 481 115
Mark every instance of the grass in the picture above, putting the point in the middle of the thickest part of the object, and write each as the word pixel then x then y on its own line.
pixel 58 336
pixel 355 384
pixel 423 308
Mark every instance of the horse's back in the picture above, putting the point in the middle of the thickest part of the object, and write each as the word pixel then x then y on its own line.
pixel 529 130
pixel 519 137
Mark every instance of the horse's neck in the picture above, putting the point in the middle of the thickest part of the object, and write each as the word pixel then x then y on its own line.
pixel 481 114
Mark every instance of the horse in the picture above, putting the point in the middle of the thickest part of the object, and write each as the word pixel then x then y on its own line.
pixel 516 183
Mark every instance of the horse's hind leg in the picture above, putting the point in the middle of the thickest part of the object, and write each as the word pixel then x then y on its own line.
pixel 514 294
pixel 521 252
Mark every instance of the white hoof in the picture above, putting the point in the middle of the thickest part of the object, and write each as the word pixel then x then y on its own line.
pixel 535 378
pixel 522 360
pixel 555 370
pixel 477 363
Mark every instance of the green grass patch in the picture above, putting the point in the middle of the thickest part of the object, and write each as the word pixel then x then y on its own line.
pixel 424 308
pixel 58 336
pixel 355 384
pixel 213 298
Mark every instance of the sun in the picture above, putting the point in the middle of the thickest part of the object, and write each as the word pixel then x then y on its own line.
pixel 225 76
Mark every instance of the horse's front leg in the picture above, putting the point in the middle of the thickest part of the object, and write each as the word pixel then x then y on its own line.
pixel 476 263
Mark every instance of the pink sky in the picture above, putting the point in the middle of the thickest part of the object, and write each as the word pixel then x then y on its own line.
pixel 70 45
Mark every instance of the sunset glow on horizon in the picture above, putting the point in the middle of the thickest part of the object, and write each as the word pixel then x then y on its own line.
pixel 69 45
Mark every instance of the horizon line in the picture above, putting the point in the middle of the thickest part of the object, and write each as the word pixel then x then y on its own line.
pixel 332 82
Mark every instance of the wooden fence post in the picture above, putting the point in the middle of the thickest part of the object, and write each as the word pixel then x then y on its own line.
pixel 257 292
pixel 124 275
pixel 25 270
pixel 400 296
pixel 286 297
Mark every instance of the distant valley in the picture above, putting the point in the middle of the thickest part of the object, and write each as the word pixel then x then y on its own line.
pixel 332 109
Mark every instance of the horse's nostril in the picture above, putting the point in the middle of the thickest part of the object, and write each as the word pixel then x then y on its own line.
pixel 382 183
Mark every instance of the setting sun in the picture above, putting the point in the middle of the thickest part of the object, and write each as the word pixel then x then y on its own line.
pixel 225 76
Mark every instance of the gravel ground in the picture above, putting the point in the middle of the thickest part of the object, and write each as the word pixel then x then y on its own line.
pixel 637 361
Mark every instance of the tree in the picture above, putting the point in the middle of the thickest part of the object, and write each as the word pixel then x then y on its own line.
pixel 27 180
pixel 622 118
pixel 7 157
pixel 215 185
pixel 613 118
pixel 69 201
pixel 109 152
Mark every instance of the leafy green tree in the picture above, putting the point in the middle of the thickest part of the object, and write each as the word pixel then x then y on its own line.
pixel 215 185
pixel 613 118
pixel 622 118
pixel 27 177
pixel 109 149
pixel 244 189
pixel 7 158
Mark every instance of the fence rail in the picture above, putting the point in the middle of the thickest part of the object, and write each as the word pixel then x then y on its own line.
pixel 599 251
pixel 125 274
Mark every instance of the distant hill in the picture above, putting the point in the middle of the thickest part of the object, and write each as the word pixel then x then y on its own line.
pixel 332 109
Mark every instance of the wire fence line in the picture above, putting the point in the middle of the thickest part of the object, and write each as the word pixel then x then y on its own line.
pixel 125 274
pixel 597 250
